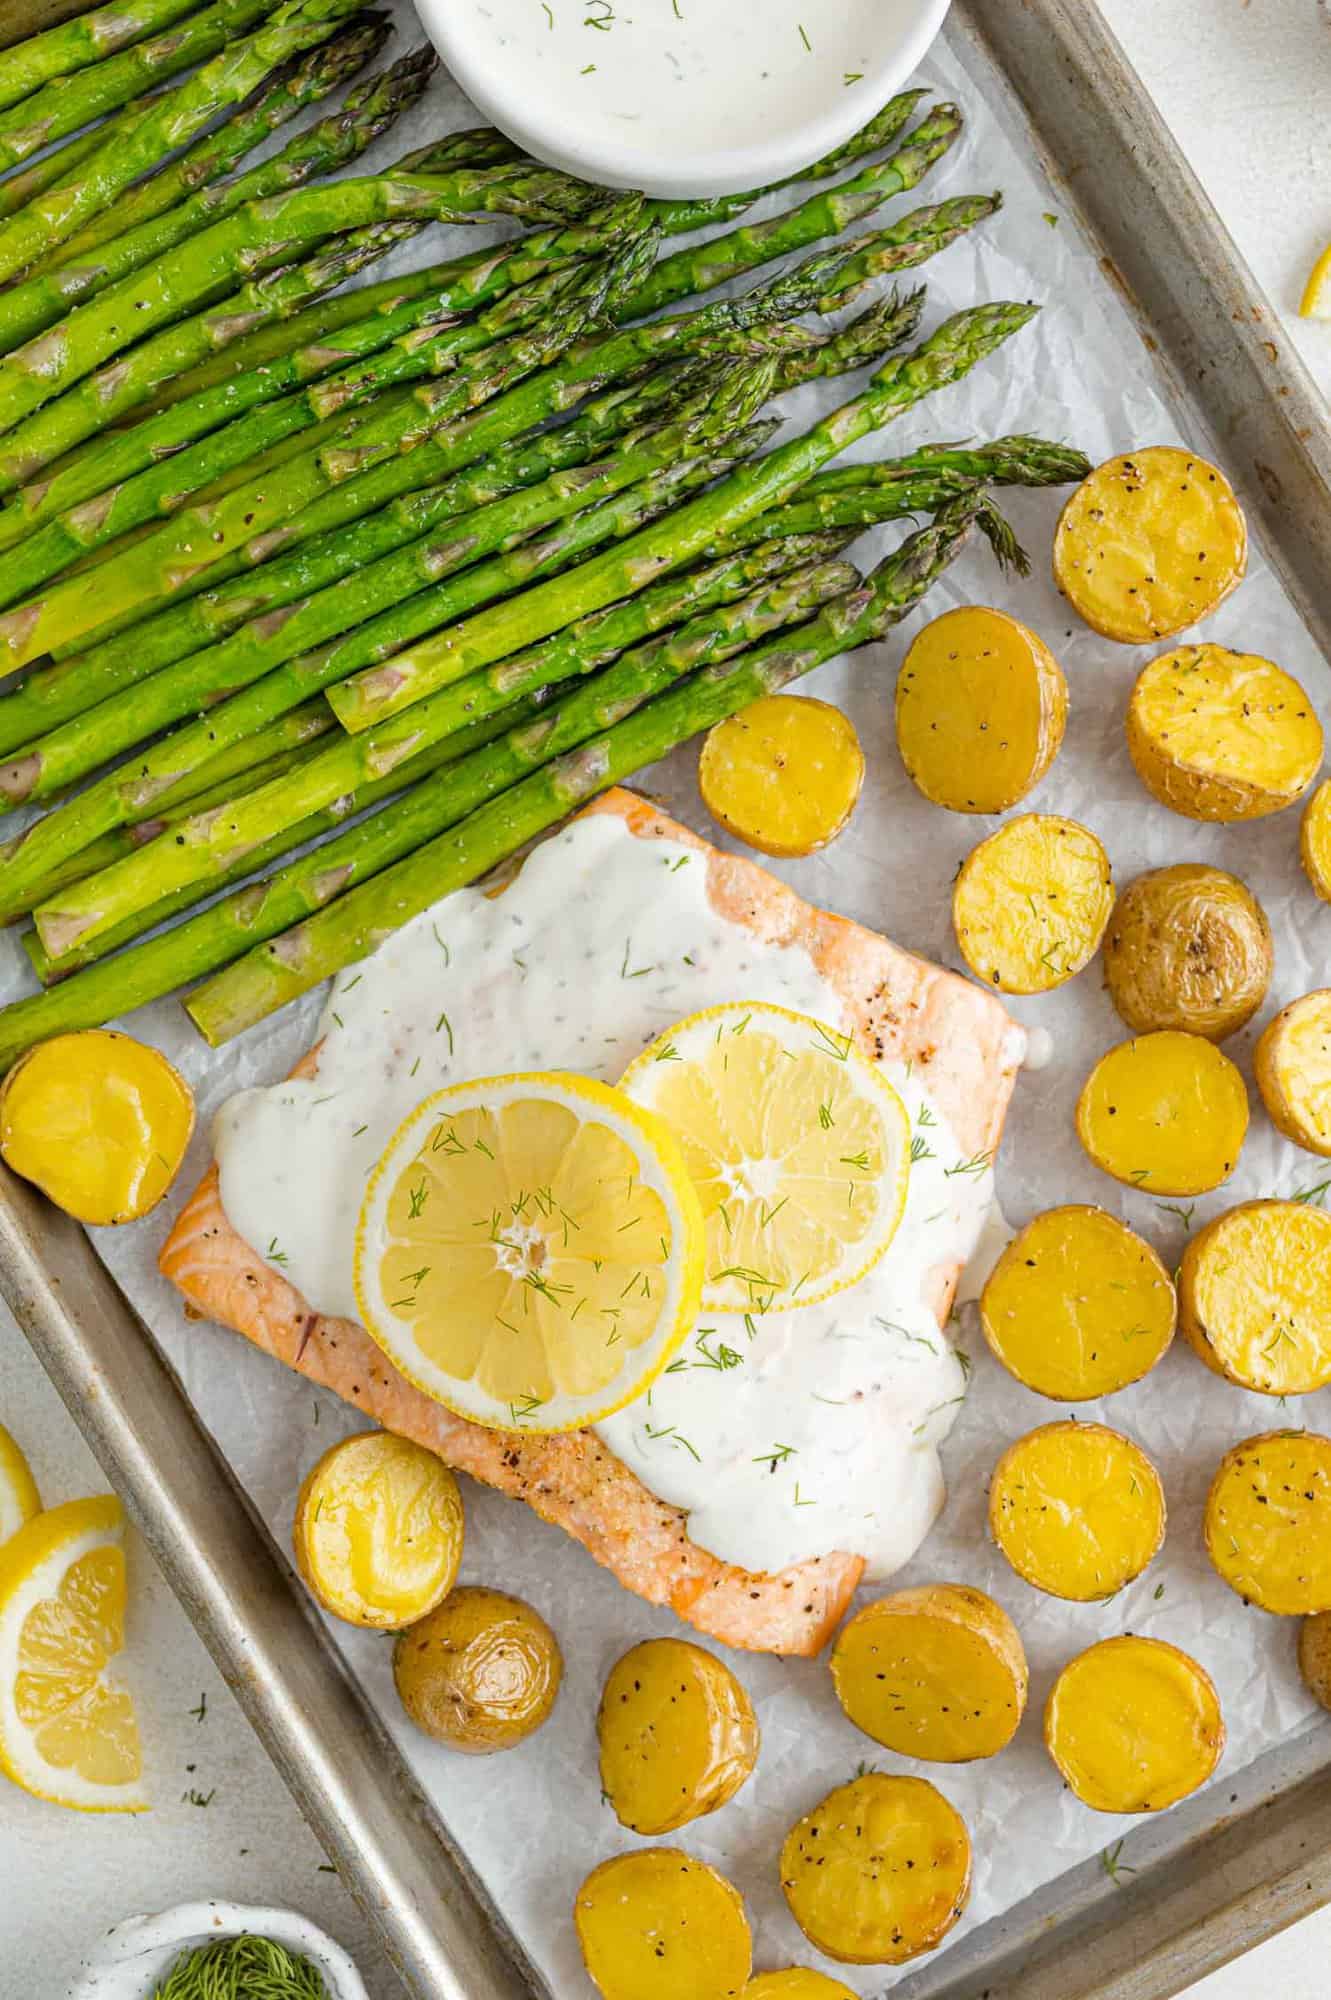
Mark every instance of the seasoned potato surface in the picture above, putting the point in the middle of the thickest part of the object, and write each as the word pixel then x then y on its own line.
pixel 1077 1509
pixel 657 1925
pixel 937 1672
pixel 1268 1521
pixel 678 1735
pixel 981 708
pixel 1188 947
pixel 1217 735
pixel 1031 903
pixel 1134 1725
pixel 1166 1113
pixel 1254 1301
pixel 879 1872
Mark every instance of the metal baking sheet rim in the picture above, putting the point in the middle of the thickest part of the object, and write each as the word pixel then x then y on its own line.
pixel 1208 1884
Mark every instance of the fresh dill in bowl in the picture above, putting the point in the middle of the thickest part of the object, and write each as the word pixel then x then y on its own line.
pixel 242 1968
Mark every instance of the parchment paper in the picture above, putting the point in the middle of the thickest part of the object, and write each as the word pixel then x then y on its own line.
pixel 533 1822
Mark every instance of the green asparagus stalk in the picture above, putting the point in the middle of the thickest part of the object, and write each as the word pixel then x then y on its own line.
pixel 175 118
pixel 369 698
pixel 88 38
pixel 68 103
pixel 51 695
pixel 1019 460
pixel 289 963
pixel 824 214
pixel 51 168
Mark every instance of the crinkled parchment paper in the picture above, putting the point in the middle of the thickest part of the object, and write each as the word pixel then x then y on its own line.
pixel 533 1822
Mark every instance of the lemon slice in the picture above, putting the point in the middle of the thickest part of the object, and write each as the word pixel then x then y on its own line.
pixel 530 1250
pixel 19 1498
pixel 67 1730
pixel 798 1145
pixel 1316 300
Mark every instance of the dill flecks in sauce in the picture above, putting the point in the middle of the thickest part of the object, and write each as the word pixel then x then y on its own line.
pixel 784 1435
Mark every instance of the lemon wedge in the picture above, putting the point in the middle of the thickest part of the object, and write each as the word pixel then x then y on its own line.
pixel 798 1145
pixel 1316 300
pixel 530 1250
pixel 67 1730
pixel 19 1498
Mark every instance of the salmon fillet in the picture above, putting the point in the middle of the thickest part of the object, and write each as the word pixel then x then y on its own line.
pixel 902 1008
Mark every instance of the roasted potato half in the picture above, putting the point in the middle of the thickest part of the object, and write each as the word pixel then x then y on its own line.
pixel 797 1982
pixel 1031 903
pixel 657 1925
pixel 1149 543
pixel 879 1872
pixel 1268 1521
pixel 1078 1306
pixel 784 775
pixel 1134 1725
pixel 1166 1113
pixel 1293 1068
pixel 378 1530
pixel 981 708
pixel 1253 1296
pixel 1315 840
pixel 1217 735
pixel 678 1735
pixel 1315 1656
pixel 898 1663
pixel 1188 948
pixel 1077 1509
pixel 481 1673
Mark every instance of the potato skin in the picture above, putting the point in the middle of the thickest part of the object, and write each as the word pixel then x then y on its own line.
pixel 879 1872
pixel 1222 736
pixel 1252 1301
pixel 898 1663
pixel 1166 1113
pixel 981 708
pixel 481 1673
pixel 1077 1509
pixel 678 1735
pixel 658 1924
pixel 1315 1656
pixel 1268 1521
pixel 1292 1064
pixel 1188 947
pixel 1134 1725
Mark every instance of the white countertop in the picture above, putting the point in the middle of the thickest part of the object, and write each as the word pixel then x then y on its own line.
pixel 1244 84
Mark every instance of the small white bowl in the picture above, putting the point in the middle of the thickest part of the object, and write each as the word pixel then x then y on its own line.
pixel 531 113
pixel 133 1957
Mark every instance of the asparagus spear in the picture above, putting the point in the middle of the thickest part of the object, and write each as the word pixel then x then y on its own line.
pixel 67 103
pixel 357 923
pixel 88 38
pixel 53 167
pixel 173 120
pixel 370 697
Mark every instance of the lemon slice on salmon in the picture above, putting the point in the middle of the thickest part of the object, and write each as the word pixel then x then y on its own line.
pixel 67 1729
pixel 798 1145
pixel 19 1498
pixel 1316 300
pixel 530 1250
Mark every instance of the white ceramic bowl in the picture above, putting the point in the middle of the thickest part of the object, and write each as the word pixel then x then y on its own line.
pixel 534 118
pixel 131 1959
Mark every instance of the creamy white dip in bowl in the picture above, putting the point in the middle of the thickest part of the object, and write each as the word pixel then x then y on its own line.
pixel 681 97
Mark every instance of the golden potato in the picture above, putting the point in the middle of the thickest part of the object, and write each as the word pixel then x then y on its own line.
pixel 1268 1521
pixel 100 1122
pixel 1166 1113
pixel 1315 840
pixel 1078 1306
pixel 879 1872
pixel 480 1673
pixel 1150 543
pixel 1134 1725
pixel 784 774
pixel 899 1664
pixel 1188 947
pixel 797 1982
pixel 678 1735
pixel 1292 1062
pixel 378 1530
pixel 1315 1656
pixel 1031 903
pixel 657 1925
pixel 1217 735
pixel 1253 1296
pixel 1077 1509
pixel 981 709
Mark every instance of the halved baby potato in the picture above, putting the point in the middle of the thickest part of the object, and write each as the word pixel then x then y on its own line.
pixel 1292 1062
pixel 1134 1725
pixel 1254 1302
pixel 378 1530
pixel 1031 903
pixel 1218 735
pixel 797 1982
pixel 658 1924
pixel 1077 1509
pixel 1166 1112
pixel 1078 1306
pixel 879 1872
pixel 1188 947
pixel 1315 840
pixel 784 775
pixel 981 708
pixel 480 1673
pixel 1149 543
pixel 1268 1521
pixel 1315 1656
pixel 899 1665
pixel 678 1735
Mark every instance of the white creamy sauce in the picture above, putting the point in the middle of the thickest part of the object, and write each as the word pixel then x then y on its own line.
pixel 693 75
pixel 784 1436
pixel 1039 1049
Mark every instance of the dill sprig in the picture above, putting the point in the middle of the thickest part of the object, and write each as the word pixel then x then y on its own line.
pixel 242 1968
